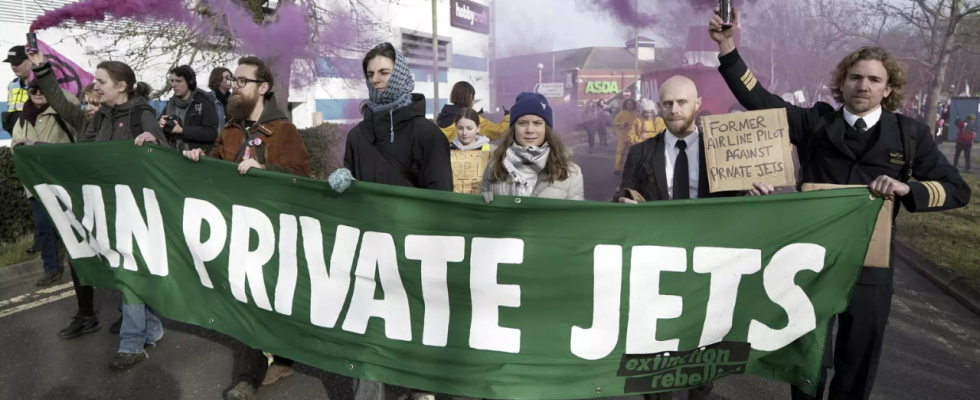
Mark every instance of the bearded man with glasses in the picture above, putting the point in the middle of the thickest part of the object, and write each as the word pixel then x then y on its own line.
pixel 259 135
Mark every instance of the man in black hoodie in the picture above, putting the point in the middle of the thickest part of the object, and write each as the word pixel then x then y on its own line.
pixel 395 144
pixel 190 118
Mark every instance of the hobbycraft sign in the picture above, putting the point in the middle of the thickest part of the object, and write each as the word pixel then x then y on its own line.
pixel 469 15
pixel 522 298
pixel 748 147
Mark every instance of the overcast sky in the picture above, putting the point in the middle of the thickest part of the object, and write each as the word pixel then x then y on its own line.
pixel 530 26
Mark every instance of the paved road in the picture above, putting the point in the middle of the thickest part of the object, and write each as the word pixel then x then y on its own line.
pixel 932 347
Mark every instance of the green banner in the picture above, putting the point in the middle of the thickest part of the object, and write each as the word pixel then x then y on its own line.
pixel 523 298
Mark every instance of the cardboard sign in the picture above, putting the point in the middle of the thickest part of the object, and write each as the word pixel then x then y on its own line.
pixel 748 147
pixel 468 166
pixel 879 250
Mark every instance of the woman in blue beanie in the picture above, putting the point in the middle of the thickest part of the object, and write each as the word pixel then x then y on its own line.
pixel 531 160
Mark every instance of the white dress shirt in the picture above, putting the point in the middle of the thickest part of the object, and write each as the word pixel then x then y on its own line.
pixel 870 119
pixel 693 162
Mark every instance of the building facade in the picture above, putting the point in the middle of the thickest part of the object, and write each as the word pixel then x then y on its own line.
pixel 338 89
pixel 464 32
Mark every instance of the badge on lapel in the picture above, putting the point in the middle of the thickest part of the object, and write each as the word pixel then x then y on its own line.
pixel 896 158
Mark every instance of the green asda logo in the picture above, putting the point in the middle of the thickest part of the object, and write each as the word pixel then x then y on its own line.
pixel 600 87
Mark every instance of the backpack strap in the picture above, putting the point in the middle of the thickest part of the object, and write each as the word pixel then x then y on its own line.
pixel 96 122
pixel 135 118
pixel 818 133
pixel 906 127
pixel 64 127
pixel 245 144
pixel 397 165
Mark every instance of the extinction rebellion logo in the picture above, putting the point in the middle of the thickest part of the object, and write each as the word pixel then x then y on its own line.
pixel 679 370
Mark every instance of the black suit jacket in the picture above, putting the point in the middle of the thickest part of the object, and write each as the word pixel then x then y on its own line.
pixel 646 171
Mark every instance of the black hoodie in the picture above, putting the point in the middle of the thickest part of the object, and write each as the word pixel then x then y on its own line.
pixel 419 146
pixel 447 117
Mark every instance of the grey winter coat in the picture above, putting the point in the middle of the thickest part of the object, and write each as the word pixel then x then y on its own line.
pixel 116 123
pixel 572 188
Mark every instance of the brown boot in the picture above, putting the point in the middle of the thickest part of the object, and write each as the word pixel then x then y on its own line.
pixel 275 373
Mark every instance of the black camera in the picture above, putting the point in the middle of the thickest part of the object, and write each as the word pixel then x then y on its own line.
pixel 171 122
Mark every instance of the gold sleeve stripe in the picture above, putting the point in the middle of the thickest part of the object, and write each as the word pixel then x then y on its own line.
pixel 937 191
pixel 746 75
pixel 751 84
pixel 941 194
pixel 748 79
pixel 932 192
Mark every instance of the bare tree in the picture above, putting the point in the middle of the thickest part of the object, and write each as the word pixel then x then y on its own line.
pixel 793 43
pixel 164 44
pixel 923 33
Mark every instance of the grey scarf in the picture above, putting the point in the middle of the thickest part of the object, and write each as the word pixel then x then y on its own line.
pixel 524 164
pixel 177 107
pixel 479 142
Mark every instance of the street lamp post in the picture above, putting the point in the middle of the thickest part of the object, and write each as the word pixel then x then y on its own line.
pixel 540 69
pixel 636 53
pixel 435 61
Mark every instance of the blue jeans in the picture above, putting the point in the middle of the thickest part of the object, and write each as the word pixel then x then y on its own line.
pixel 141 326
pixel 47 240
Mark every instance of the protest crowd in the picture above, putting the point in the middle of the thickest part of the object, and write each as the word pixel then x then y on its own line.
pixel 660 156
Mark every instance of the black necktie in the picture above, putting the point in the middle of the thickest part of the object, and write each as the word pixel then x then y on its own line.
pixel 682 185
pixel 860 125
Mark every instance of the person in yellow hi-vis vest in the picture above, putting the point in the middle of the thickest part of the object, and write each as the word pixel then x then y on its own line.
pixel 463 96
pixel 17 89
pixel 623 125
pixel 649 126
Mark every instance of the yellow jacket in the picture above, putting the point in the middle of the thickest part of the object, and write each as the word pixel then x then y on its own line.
pixel 487 128
pixel 624 121
pixel 644 129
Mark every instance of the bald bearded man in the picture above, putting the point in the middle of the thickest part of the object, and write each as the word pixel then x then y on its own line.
pixel 671 165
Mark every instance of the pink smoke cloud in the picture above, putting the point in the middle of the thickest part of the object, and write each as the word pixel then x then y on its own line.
pixel 624 11
pixel 287 37
pixel 97 10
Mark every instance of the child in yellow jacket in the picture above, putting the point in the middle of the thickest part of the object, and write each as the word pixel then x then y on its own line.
pixel 649 126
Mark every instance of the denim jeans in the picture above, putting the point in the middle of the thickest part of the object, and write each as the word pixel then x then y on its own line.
pixel 47 240
pixel 141 326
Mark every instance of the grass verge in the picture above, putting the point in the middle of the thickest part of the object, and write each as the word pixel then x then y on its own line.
pixel 951 239
pixel 16 252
